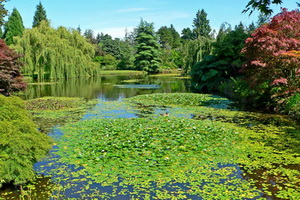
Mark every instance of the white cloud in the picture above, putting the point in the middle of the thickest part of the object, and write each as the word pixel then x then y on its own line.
pixel 115 32
pixel 127 10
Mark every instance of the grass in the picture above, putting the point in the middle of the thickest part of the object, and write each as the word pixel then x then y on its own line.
pixel 121 72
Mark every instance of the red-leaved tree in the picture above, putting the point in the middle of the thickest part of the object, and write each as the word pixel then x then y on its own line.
pixel 10 71
pixel 273 53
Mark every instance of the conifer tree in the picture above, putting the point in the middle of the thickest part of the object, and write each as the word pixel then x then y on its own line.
pixel 147 55
pixel 89 34
pixel 3 12
pixel 201 24
pixel 13 27
pixel 39 15
pixel 187 34
pixel 169 37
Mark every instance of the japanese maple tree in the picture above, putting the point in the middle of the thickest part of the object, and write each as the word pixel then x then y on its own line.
pixel 273 53
pixel 10 71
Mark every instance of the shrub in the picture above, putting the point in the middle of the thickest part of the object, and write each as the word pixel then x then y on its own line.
pixel 273 57
pixel 292 106
pixel 10 71
pixel 21 144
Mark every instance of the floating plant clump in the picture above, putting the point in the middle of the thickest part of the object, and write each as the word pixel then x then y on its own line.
pixel 160 157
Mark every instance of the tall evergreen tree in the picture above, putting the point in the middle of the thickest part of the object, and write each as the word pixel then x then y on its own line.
pixel 175 36
pixel 262 19
pixel 13 27
pixel 3 12
pixel 147 55
pixel 39 15
pixel 89 34
pixel 187 34
pixel 201 24
pixel 79 29
pixel 165 36
pixel 169 37
pixel 109 46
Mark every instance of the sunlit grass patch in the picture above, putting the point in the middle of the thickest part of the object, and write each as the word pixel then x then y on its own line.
pixel 121 72
pixel 42 83
pixel 172 74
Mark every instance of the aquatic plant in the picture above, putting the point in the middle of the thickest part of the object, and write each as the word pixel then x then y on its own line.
pixel 219 154
pixel 53 111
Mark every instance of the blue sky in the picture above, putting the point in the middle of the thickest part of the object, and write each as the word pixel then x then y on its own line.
pixel 114 16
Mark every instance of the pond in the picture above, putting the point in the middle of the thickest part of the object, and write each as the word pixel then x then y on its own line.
pixel 149 138
pixel 109 87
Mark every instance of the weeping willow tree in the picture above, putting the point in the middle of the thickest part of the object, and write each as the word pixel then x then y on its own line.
pixel 194 51
pixel 58 53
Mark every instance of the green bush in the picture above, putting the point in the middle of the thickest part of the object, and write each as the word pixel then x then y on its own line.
pixel 292 106
pixel 21 144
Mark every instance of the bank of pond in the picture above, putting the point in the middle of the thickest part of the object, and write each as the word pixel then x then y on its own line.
pixel 162 146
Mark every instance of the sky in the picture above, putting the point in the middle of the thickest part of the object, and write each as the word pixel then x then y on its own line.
pixel 113 17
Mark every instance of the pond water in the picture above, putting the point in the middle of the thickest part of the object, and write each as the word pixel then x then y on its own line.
pixel 75 180
pixel 107 87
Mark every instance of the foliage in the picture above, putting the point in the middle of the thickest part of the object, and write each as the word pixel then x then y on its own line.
pixel 177 99
pixel 193 51
pixel 39 15
pixel 10 71
pixel 3 12
pixel 21 144
pixel 13 27
pixel 89 35
pixel 109 45
pixel 169 37
pixel 107 62
pixel 149 155
pixel 54 111
pixel 262 5
pixel 262 19
pixel 187 34
pixel 273 59
pixel 127 54
pixel 201 24
pixel 208 74
pixel 224 154
pixel 60 53
pixel 54 103
pixel 292 106
pixel 171 59
pixel 147 48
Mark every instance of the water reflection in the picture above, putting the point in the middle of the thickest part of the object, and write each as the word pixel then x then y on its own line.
pixel 104 87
